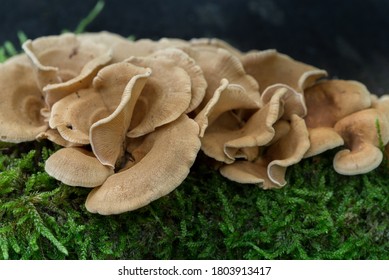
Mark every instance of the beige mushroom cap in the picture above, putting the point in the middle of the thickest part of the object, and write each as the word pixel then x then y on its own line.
pixel 331 100
pixel 270 67
pixel 21 102
pixel 270 168
pixel 218 64
pixel 77 167
pixel 360 135
pixel 107 135
pixel 159 172
pixel 73 115
pixel 322 139
pixel 167 94
pixel 65 64
pixel 226 98
pixel 198 82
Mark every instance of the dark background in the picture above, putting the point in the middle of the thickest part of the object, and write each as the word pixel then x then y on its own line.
pixel 350 38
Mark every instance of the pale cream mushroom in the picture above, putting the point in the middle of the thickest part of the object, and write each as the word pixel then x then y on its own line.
pixel 269 169
pixel 21 102
pixel 172 152
pixel 327 102
pixel 77 167
pixel 65 64
pixel 360 133
pixel 166 95
pixel 107 135
pixel 270 67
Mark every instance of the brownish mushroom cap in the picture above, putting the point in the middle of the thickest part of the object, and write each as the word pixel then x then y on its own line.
pixel 269 169
pixel 218 64
pixel 330 100
pixel 73 115
pixel 360 133
pixel 270 67
pixel 226 98
pixel 65 64
pixel 107 135
pixel 21 102
pixel 159 172
pixel 77 167
pixel 167 94
pixel 198 82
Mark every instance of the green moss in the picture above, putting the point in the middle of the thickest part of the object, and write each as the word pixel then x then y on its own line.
pixel 318 215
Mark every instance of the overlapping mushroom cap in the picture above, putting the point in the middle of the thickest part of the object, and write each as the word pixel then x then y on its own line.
pixel 132 116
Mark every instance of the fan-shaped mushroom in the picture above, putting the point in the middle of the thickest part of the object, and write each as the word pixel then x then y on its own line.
pixel 107 135
pixel 77 167
pixel 64 64
pixel 270 167
pixel 360 134
pixel 172 153
pixel 328 102
pixel 270 67
pixel 21 102
pixel 167 94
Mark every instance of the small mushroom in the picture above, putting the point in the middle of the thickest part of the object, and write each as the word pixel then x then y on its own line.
pixel 360 134
pixel 21 102
pixel 167 163
pixel 77 167
pixel 328 102
pixel 270 67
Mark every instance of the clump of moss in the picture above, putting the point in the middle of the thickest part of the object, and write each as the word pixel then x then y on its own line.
pixel 318 215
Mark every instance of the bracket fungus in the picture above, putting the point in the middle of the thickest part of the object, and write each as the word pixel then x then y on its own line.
pixel 131 116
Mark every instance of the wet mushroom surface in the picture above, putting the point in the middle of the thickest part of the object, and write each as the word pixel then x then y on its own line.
pixel 131 117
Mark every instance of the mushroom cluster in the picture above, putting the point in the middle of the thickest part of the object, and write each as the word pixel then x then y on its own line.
pixel 131 116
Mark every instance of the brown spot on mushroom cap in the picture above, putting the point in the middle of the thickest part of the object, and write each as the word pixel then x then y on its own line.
pixel 165 166
pixel 167 93
pixel 21 102
pixel 64 64
pixel 74 114
pixel 270 168
pixel 198 82
pixel 107 135
pixel 359 131
pixel 331 100
pixel 270 67
pixel 77 167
